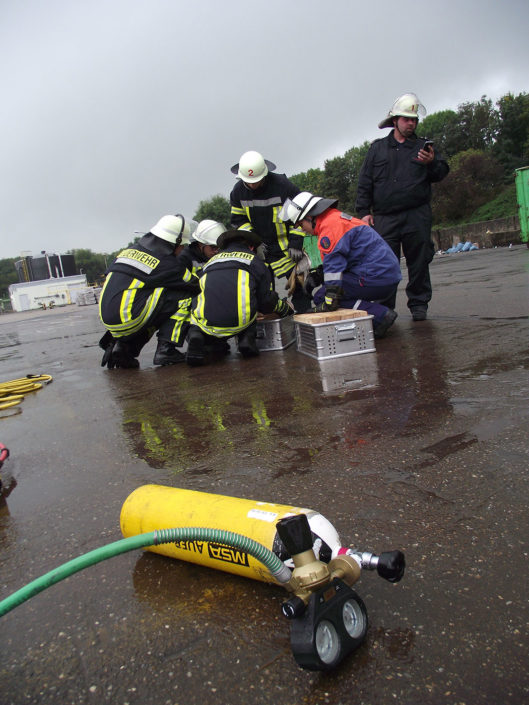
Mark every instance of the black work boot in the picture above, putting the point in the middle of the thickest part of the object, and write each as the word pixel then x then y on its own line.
pixel 167 354
pixel 380 330
pixel 419 313
pixel 247 343
pixel 218 346
pixel 195 355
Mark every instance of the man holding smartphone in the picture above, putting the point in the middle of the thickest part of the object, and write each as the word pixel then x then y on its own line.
pixel 394 193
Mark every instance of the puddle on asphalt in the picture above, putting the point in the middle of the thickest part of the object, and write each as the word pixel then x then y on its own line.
pixel 450 445
pixel 8 340
pixel 9 346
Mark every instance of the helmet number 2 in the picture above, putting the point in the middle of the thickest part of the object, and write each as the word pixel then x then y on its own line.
pixel 250 172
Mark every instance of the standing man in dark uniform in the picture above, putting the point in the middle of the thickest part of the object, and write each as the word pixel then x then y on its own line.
pixel 394 192
pixel 256 200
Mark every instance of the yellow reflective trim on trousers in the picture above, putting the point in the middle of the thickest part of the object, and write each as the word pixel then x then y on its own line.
pixel 180 317
pixel 215 330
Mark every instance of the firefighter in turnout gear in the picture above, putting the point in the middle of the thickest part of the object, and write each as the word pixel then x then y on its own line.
pixel 256 200
pixel 234 286
pixel 203 245
pixel 148 289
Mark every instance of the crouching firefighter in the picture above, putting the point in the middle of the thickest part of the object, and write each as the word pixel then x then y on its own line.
pixel 234 286
pixel 359 268
pixel 148 289
pixel 203 245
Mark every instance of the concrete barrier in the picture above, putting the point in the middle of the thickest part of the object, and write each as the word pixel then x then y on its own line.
pixel 486 234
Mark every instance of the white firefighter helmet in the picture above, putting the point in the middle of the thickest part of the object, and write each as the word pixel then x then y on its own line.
pixel 407 105
pixel 208 232
pixel 174 229
pixel 303 205
pixel 252 167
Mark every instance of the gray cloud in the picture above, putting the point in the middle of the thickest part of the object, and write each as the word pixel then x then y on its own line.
pixel 115 112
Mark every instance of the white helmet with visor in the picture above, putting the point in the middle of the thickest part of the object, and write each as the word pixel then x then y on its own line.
pixel 303 205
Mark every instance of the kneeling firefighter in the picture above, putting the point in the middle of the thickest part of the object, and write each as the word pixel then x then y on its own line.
pixel 203 246
pixel 359 268
pixel 234 286
pixel 146 291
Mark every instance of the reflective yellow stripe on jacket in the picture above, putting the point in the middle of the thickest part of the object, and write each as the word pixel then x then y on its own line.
pixel 243 298
pixel 244 313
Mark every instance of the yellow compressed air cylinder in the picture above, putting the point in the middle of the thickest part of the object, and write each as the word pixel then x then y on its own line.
pixel 153 507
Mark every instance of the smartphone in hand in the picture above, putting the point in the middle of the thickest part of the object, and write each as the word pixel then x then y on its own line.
pixel 426 145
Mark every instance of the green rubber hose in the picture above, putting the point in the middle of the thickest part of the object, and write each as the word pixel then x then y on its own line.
pixel 269 559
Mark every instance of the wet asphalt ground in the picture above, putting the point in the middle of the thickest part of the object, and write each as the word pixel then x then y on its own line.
pixel 421 446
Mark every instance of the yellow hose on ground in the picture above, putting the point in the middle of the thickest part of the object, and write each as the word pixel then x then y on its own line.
pixel 12 393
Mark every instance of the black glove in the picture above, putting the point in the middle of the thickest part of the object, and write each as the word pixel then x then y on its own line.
pixel 295 254
pixel 313 280
pixel 283 308
pixel 260 251
pixel 333 294
pixel 107 343
pixel 106 340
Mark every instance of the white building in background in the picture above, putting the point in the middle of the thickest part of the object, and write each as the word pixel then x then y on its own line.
pixel 57 292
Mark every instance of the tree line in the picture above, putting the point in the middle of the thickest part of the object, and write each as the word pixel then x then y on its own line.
pixel 483 142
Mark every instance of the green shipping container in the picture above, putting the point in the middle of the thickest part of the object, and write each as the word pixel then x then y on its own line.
pixel 522 193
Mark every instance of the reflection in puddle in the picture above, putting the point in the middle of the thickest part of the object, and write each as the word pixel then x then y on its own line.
pixel 345 374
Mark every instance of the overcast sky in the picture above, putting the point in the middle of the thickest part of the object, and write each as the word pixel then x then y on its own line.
pixel 116 112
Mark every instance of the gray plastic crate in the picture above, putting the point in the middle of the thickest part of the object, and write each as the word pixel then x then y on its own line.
pixel 275 333
pixel 349 336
